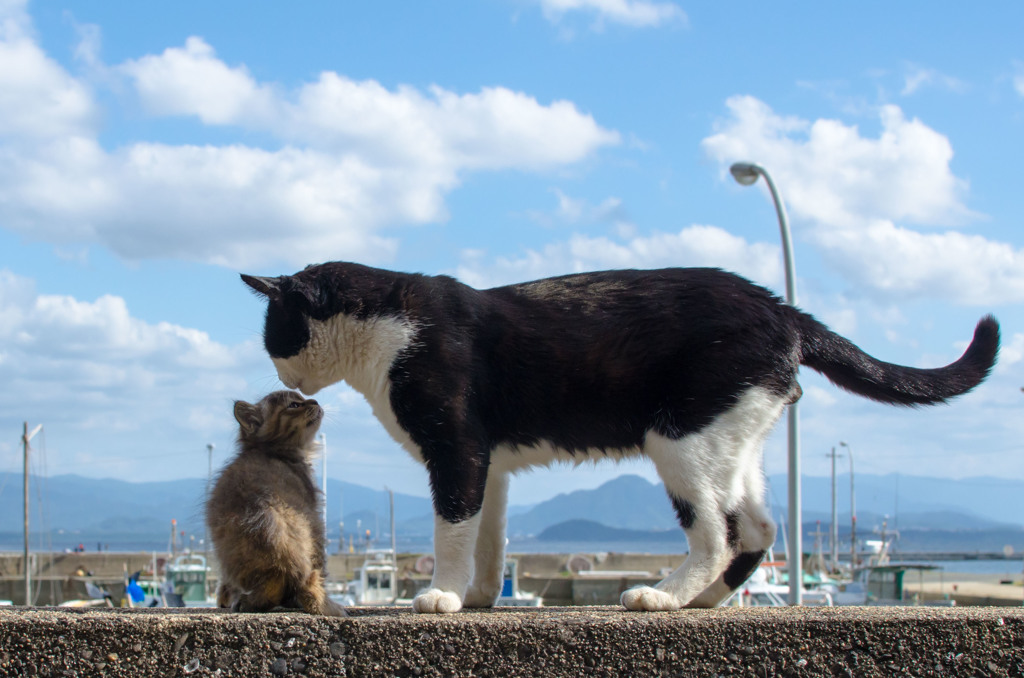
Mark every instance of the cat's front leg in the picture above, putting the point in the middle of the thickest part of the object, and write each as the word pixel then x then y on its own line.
pixel 453 566
pixel 489 559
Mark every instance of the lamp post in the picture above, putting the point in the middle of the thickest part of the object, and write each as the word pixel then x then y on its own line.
pixel 746 174
pixel 853 513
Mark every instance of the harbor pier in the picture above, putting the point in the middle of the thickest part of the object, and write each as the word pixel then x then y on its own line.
pixel 512 642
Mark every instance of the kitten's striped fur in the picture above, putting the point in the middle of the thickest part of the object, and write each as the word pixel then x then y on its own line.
pixel 264 511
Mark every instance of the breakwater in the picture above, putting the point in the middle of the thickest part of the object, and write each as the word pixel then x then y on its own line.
pixel 863 642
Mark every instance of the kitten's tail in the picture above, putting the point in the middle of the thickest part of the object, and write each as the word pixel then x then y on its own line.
pixel 850 368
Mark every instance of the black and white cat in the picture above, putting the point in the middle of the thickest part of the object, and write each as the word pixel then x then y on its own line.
pixel 690 368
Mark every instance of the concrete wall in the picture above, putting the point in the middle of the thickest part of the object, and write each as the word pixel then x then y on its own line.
pixel 340 565
pixel 508 643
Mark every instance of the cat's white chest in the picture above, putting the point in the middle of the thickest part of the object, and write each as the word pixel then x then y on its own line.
pixel 360 352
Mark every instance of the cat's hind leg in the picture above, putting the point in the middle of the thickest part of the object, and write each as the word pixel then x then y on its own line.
pixel 312 597
pixel 706 474
pixel 263 591
pixel 751 534
pixel 489 557
pixel 226 595
pixel 707 534
pixel 751 530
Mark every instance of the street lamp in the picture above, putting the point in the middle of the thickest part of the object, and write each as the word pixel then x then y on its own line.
pixel 746 174
pixel 853 513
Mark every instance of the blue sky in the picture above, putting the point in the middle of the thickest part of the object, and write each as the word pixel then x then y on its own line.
pixel 150 153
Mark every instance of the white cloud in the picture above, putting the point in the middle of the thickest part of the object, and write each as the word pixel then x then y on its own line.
pixel 82 365
pixel 846 192
pixel 917 77
pixel 191 80
pixel 493 129
pixel 833 175
pixel 1018 79
pixel 354 158
pixel 967 269
pixel 637 13
pixel 691 246
pixel 38 99
pixel 99 332
pixel 1010 353
pixel 576 211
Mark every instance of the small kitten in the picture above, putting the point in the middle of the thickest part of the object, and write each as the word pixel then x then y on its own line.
pixel 264 511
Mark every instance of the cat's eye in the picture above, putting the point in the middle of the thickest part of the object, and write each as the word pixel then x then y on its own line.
pixel 294 404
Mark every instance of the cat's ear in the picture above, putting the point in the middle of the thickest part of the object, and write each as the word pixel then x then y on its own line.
pixel 267 287
pixel 248 416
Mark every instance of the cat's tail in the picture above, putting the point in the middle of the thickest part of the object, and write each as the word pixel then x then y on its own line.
pixel 850 368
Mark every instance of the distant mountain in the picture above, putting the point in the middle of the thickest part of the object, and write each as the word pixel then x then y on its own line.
pixel 588 530
pixel 906 498
pixel 76 509
pixel 73 509
pixel 628 502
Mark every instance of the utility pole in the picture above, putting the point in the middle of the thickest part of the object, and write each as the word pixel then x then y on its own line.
pixel 209 486
pixel 834 531
pixel 25 438
pixel 391 510
pixel 853 513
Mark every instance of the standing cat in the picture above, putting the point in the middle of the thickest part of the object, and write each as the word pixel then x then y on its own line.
pixel 264 511
pixel 690 368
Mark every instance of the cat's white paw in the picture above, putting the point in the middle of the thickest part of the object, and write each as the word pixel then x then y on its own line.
pixel 481 596
pixel 436 601
pixel 648 599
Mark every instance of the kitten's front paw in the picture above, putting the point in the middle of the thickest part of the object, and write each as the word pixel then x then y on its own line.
pixel 436 601
pixel 481 596
pixel 648 599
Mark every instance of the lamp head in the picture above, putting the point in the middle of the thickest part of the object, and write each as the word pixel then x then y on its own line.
pixel 745 173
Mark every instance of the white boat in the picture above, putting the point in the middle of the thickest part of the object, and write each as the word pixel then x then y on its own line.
pixel 758 591
pixel 377 583
pixel 98 597
pixel 766 588
pixel 185 583
pixel 511 596
pixel 880 585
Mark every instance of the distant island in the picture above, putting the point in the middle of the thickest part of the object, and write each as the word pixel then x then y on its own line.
pixel 588 530
pixel 978 514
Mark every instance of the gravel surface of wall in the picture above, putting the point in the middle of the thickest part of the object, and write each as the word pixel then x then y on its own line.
pixel 509 642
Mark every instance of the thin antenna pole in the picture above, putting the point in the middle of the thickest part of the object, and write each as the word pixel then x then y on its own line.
pixel 834 530
pixel 209 483
pixel 391 507
pixel 28 570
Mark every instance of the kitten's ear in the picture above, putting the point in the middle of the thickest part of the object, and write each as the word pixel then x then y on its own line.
pixel 248 416
pixel 267 287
